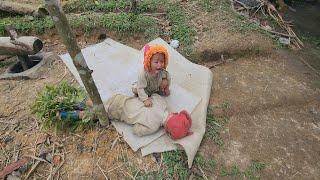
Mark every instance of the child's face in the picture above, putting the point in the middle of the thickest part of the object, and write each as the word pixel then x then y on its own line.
pixel 157 62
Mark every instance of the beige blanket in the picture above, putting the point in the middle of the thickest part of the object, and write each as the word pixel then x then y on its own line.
pixel 116 66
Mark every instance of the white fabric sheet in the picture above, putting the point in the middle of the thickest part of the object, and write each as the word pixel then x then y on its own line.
pixel 116 66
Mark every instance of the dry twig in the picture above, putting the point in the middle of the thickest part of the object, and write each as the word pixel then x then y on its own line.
pixel 278 33
pixel 219 63
pixel 51 167
pixel 36 158
pixel 114 142
pixel 57 168
pixel 102 171
pixel 204 174
pixel 32 169
pixel 307 64
pixel 8 122
pixel 112 169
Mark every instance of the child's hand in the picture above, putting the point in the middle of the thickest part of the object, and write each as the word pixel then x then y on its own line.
pixel 167 91
pixel 147 103
pixel 164 87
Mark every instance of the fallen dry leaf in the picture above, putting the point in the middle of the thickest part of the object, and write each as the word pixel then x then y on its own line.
pixel 42 138
pixel 13 166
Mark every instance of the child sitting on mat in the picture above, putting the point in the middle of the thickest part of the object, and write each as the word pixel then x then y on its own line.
pixel 154 78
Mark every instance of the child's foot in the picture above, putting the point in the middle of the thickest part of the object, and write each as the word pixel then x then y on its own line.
pixel 83 104
pixel 89 103
pixel 72 115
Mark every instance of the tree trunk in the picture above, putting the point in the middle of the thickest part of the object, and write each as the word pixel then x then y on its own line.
pixel 63 27
pixel 24 9
pixel 24 45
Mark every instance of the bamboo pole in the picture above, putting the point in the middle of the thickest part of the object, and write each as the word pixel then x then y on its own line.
pixel 68 38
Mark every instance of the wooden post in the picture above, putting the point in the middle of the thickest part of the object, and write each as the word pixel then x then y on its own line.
pixel 68 38
pixel 134 6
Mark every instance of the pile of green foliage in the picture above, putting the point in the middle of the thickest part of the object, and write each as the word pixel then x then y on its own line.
pixel 53 99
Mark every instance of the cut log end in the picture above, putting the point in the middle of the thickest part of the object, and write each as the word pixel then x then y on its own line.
pixel 24 45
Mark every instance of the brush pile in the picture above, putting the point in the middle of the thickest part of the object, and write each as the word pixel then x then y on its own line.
pixel 263 9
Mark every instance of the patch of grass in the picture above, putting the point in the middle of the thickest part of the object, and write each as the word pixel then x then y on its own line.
pixel 112 6
pixel 254 169
pixel 245 26
pixel 207 5
pixel 233 172
pixel 53 99
pixel 150 175
pixel 4 14
pixel 311 39
pixel 252 172
pixel 26 24
pixel 152 32
pixel 77 6
pixel 150 5
pixel 180 29
pixel 214 128
pixel 205 164
pixel 176 165
pixel 224 6
pixel 6 63
pixel 121 23
pixel 127 22
pixel 224 105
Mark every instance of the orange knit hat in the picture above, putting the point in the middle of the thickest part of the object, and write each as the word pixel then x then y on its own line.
pixel 149 51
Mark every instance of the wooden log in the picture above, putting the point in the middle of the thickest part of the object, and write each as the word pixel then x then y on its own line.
pixel 4 57
pixel 68 38
pixel 24 45
pixel 24 9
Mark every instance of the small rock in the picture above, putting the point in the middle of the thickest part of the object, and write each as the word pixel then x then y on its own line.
pixel 30 18
pixel 174 43
pixel 267 27
pixel 12 177
pixel 49 157
pixel 6 139
pixel 56 159
pixel 16 173
pixel 157 156
pixel 284 41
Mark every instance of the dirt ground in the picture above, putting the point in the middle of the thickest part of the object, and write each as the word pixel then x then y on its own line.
pixel 274 114
pixel 275 105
